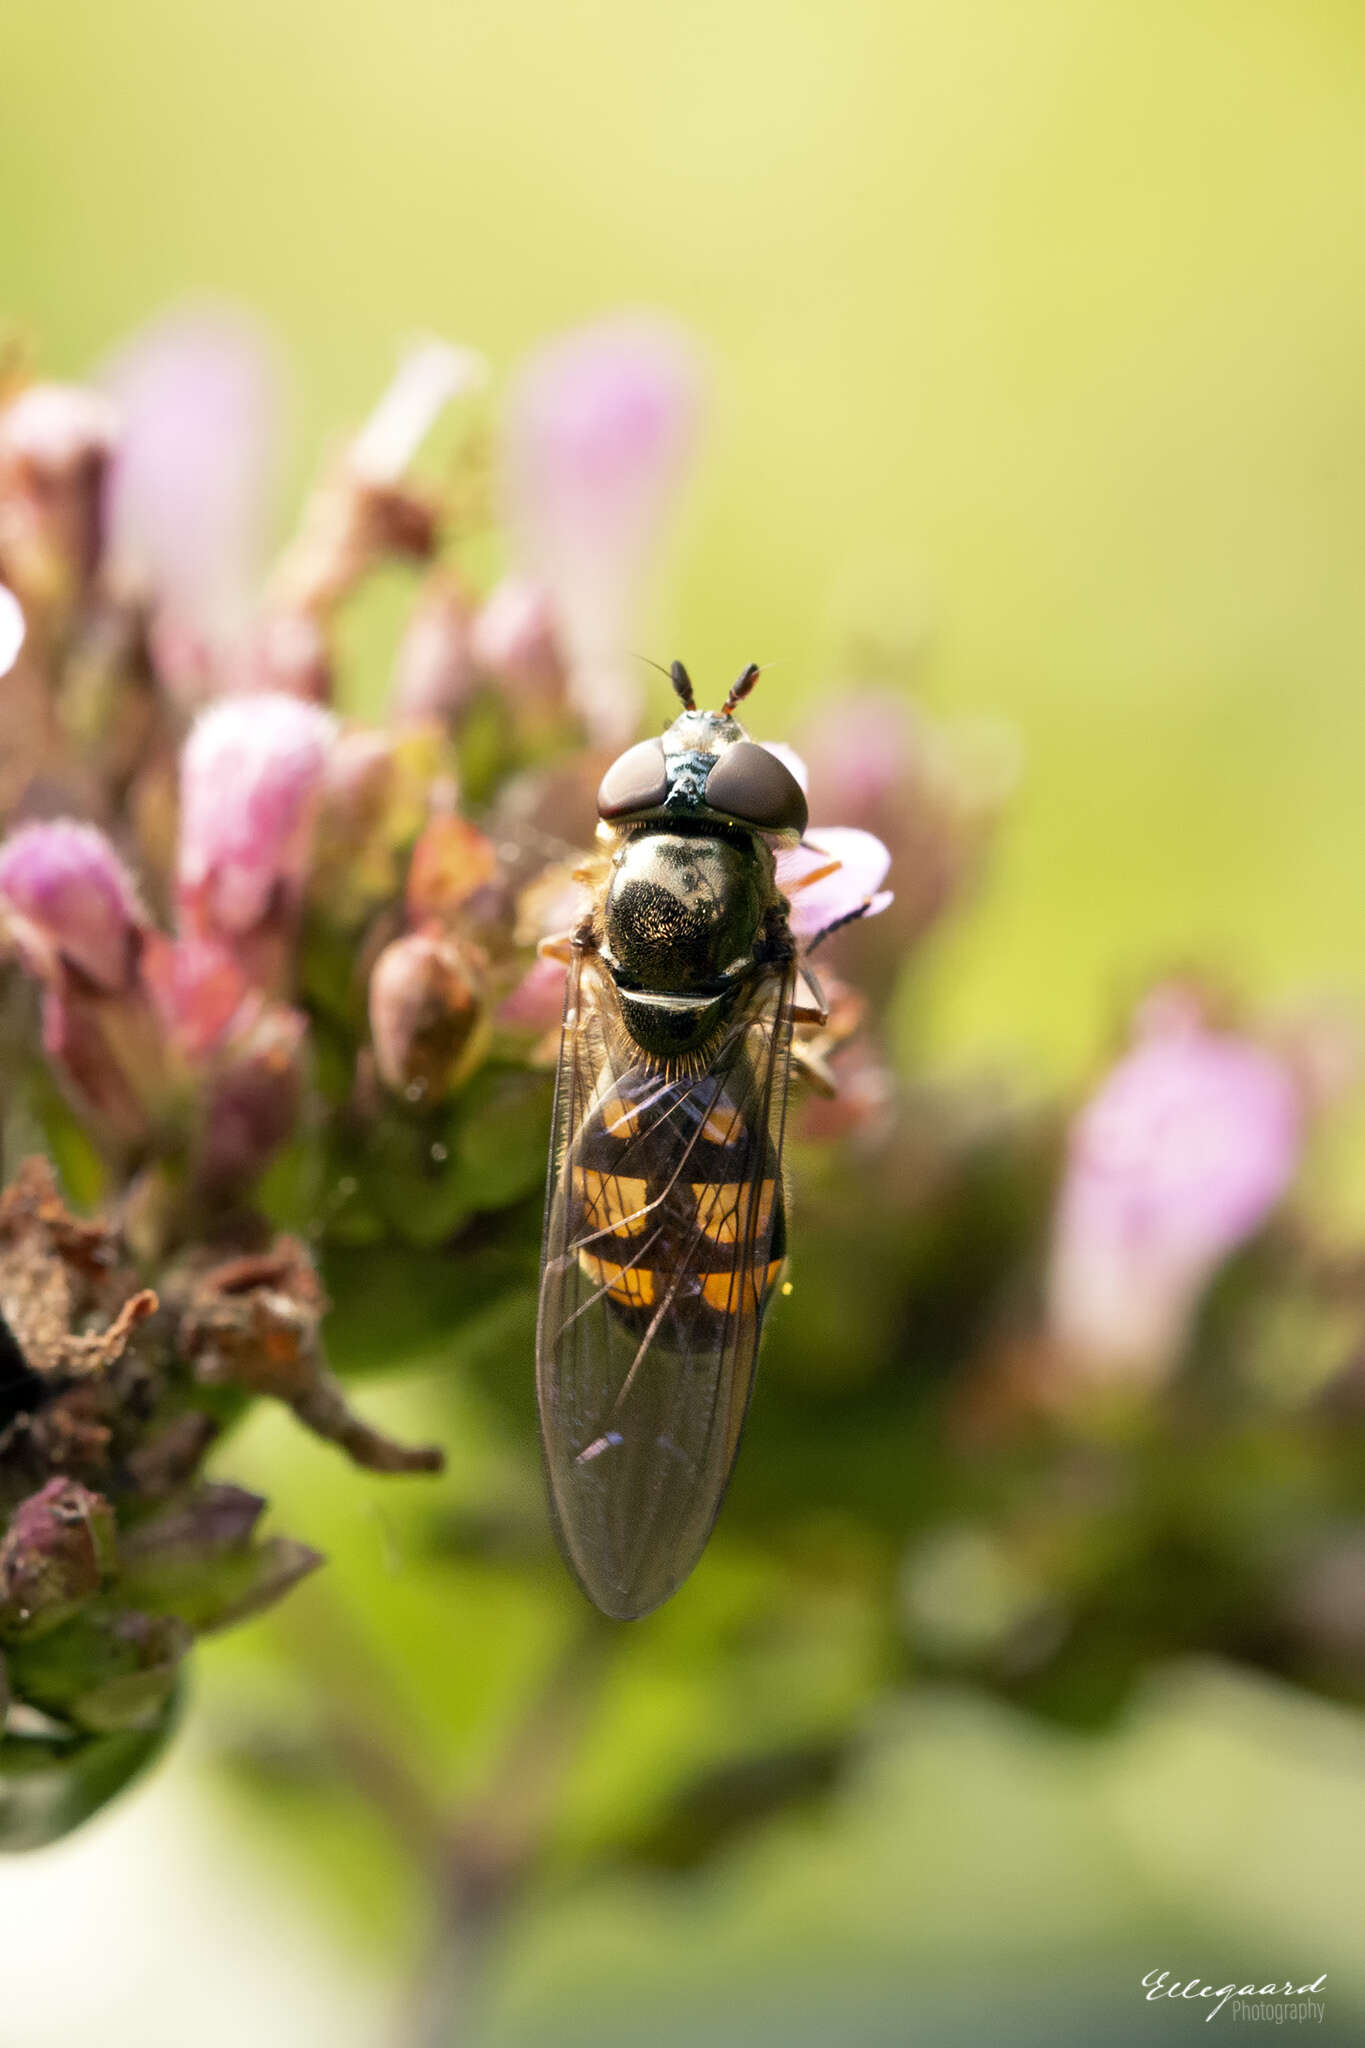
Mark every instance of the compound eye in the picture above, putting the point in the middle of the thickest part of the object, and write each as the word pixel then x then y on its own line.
pixel 638 781
pixel 752 785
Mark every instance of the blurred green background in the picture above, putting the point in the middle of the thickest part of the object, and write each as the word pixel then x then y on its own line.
pixel 1037 337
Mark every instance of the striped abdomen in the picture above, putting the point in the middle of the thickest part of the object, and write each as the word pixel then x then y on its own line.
pixel 675 1199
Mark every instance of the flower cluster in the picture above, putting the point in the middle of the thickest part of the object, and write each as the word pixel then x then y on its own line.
pixel 273 999
pixel 282 961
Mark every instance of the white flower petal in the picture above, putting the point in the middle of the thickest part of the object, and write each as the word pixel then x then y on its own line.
pixel 12 629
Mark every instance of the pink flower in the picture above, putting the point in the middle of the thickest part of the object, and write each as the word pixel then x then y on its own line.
pixel 251 778
pixel 599 432
pixel 191 489
pixel 835 874
pixel 1178 1159
pixel 67 902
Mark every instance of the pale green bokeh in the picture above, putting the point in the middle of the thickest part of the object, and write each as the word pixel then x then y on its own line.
pixel 1037 329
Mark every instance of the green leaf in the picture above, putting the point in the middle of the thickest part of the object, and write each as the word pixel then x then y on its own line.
pixel 102 1672
pixel 50 1786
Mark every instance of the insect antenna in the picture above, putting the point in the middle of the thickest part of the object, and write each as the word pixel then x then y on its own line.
pixel 682 683
pixel 740 689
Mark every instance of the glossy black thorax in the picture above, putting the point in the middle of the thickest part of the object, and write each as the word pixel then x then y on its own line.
pixel 682 919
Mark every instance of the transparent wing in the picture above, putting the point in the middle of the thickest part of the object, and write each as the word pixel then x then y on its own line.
pixel 664 1236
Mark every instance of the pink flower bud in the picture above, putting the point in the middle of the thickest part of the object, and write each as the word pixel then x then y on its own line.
pixel 198 989
pixel 68 903
pixel 427 1015
pixel 434 673
pixel 1177 1160
pixel 251 780
pixel 514 640
pixel 288 652
pixel 55 445
pixel 599 432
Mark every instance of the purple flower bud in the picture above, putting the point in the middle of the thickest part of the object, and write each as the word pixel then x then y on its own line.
pixel 251 780
pixel 69 909
pixel 189 494
pixel 434 671
pixel 211 1519
pixel 56 1553
pixel 1177 1160
pixel 68 903
pixel 427 1015
pixel 253 1095
pixel 599 431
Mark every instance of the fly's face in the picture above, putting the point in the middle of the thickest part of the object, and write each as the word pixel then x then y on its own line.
pixel 704 770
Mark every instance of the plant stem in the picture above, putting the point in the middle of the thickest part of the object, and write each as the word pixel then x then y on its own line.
pixel 491 1847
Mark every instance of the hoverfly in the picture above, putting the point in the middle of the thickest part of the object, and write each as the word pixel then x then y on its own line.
pixel 665 1231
